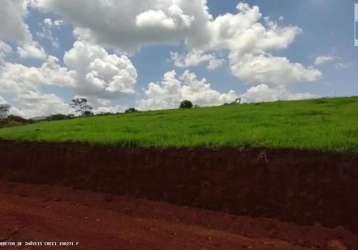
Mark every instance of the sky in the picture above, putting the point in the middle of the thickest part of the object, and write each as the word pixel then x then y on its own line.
pixel 153 54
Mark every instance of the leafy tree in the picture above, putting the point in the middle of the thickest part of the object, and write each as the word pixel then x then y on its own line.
pixel 131 110
pixel 186 104
pixel 82 107
pixel 238 100
pixel 4 111
pixel 87 113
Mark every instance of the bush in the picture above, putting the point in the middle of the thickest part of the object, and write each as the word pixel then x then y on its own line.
pixel 131 110
pixel 58 117
pixel 87 113
pixel 13 120
pixel 186 104
pixel 16 118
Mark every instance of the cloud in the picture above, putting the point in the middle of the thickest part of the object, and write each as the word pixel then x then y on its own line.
pixel 31 50
pixel 98 73
pixel 130 25
pixel 35 104
pixel 244 33
pixel 89 71
pixel 169 92
pixel 270 70
pixel 245 40
pixel 320 60
pixel 343 65
pixel 51 23
pixel 265 93
pixel 13 27
pixel 2 100
pixel 22 87
pixel 174 19
pixel 47 27
pixel 196 58
pixel 249 42
pixel 17 79
pixel 5 49
pixel 337 62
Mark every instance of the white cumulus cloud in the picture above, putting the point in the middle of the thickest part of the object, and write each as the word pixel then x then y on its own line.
pixel 320 60
pixel 196 58
pixel 99 73
pixel 264 93
pixel 99 67
pixel 22 87
pixel 270 70
pixel 36 104
pixel 130 25
pixel 31 50
pixel 13 27
pixel 173 89
pixel 174 19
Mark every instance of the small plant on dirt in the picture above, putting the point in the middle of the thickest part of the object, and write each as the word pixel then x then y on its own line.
pixel 186 104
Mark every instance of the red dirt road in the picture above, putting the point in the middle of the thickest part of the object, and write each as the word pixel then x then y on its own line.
pixel 102 221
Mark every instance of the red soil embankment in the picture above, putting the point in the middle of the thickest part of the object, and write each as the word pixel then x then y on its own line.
pixel 296 186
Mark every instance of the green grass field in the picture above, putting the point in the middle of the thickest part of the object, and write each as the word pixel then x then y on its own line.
pixel 325 125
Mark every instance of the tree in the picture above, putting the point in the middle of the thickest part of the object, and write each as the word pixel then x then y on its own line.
pixel 130 110
pixel 81 106
pixel 186 104
pixel 87 113
pixel 238 100
pixel 4 111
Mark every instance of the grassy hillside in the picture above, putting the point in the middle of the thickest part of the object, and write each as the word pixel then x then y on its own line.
pixel 326 124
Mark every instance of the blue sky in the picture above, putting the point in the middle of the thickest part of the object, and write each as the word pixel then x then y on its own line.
pixel 327 30
pixel 318 35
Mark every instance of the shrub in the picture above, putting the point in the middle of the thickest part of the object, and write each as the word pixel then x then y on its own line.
pixel 58 117
pixel 186 104
pixel 13 120
pixel 87 113
pixel 131 110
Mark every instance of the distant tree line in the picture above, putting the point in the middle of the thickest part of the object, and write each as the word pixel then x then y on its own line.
pixel 7 120
pixel 82 108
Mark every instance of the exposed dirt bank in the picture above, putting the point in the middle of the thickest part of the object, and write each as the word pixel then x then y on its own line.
pixel 302 187
pixel 98 221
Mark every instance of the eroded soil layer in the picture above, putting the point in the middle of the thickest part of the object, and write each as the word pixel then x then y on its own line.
pixel 296 186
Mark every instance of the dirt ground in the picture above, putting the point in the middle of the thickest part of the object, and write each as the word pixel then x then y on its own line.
pixel 135 198
pixel 42 213
pixel 303 187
